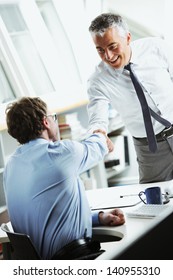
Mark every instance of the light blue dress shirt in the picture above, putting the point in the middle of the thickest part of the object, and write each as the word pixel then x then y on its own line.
pixel 45 195
pixel 153 65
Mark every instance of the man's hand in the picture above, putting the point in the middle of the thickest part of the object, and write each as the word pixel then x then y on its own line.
pixel 114 217
pixel 110 145
pixel 109 142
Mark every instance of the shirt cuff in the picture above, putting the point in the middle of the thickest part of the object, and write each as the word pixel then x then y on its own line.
pixel 95 218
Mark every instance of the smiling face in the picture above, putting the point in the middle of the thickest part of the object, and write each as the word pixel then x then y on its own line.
pixel 113 48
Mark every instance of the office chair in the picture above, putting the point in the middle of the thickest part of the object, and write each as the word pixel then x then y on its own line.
pixel 22 248
pixel 79 249
pixel 21 245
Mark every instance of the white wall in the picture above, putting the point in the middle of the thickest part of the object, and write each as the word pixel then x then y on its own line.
pixel 168 23
pixel 149 13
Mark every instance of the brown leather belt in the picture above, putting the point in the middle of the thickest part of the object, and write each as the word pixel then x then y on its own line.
pixel 161 136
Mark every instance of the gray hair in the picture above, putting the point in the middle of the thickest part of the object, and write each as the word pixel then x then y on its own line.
pixel 107 20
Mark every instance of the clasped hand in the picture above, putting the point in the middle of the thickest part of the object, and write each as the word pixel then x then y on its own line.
pixel 109 142
pixel 114 217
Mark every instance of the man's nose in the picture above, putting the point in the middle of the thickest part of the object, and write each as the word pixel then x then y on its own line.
pixel 108 54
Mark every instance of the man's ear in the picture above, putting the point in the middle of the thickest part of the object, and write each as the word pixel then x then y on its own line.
pixel 128 38
pixel 45 123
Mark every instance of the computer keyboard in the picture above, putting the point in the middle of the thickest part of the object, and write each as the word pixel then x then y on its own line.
pixel 149 210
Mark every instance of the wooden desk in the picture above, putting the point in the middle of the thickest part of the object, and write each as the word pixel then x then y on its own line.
pixel 135 228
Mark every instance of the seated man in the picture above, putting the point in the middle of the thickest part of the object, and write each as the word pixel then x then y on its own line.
pixel 44 193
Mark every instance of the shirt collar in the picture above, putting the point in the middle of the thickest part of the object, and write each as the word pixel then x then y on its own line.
pixel 28 145
pixel 37 141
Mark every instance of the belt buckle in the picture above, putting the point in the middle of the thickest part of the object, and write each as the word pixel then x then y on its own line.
pixel 167 132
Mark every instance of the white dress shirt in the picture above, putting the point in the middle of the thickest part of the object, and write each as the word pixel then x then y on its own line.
pixel 153 65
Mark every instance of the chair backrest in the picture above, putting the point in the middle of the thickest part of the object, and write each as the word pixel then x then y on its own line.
pixel 22 246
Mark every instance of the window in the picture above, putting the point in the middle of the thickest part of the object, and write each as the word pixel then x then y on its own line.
pixel 7 93
pixel 47 50
pixel 60 37
pixel 26 49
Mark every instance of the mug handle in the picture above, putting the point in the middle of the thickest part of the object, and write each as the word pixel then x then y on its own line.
pixel 165 198
pixel 140 194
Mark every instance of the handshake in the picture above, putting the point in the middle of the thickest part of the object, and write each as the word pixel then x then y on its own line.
pixel 109 142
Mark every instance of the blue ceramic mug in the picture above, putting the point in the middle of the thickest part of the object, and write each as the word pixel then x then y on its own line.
pixel 152 195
